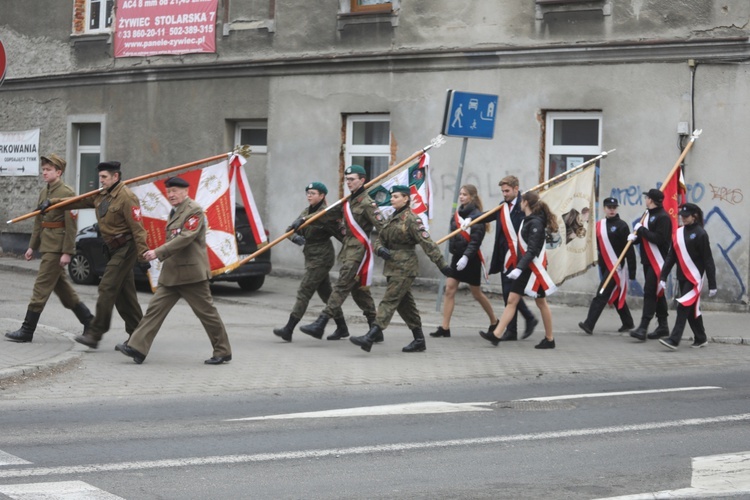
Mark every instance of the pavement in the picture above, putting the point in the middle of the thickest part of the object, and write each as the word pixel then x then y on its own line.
pixel 263 361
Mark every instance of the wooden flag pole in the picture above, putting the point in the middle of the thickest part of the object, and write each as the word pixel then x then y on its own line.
pixel 535 188
pixel 436 142
pixel 696 134
pixel 243 150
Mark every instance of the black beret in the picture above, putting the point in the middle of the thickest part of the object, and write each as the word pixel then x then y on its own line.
pixel 610 202
pixel 655 195
pixel 176 182
pixel 110 166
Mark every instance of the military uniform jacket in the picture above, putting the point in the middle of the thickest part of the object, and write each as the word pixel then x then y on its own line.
pixel 501 245
pixel 618 231
pixel 699 249
pixel 318 249
pixel 118 212
pixel 400 234
pixel 458 245
pixel 367 215
pixel 184 253
pixel 55 239
pixel 658 232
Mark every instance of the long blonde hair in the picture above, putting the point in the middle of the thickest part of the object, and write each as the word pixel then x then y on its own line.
pixel 473 193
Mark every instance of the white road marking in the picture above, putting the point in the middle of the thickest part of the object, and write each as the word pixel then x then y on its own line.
pixel 713 476
pixel 8 459
pixel 362 450
pixel 420 408
pixel 623 393
pixel 66 490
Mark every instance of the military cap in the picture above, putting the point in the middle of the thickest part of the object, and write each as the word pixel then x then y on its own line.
pixel 176 182
pixel 689 209
pixel 55 160
pixel 400 188
pixel 655 195
pixel 110 166
pixel 355 169
pixel 610 202
pixel 317 186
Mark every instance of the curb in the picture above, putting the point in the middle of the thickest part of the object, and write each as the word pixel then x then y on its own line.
pixel 57 361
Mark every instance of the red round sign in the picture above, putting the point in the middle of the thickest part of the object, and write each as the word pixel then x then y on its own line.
pixel 3 62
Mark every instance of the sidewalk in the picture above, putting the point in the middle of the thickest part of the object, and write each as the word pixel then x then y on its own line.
pixel 262 361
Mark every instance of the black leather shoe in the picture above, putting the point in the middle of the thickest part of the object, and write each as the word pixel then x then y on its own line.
pixel 130 352
pixel 583 326
pixel 491 328
pixel 508 335
pixel 669 343
pixel 545 344
pixel 625 328
pixel 639 333
pixel 217 360
pixel 87 340
pixel 441 332
pixel 490 337
pixel 530 325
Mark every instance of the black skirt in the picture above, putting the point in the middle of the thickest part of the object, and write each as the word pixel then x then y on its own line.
pixel 471 274
pixel 519 284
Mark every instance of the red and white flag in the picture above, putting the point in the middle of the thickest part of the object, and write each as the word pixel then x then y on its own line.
pixel 674 196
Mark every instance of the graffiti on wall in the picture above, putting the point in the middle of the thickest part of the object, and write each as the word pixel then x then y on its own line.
pixel 732 196
pixel 633 195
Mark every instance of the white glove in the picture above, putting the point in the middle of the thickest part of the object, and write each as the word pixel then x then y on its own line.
pixel 637 226
pixel 462 263
pixel 711 293
pixel 663 284
pixel 515 273
pixel 632 237
pixel 465 225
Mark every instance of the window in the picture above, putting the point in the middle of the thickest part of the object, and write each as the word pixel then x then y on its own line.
pixel 571 138
pixel 99 15
pixel 254 134
pixel 370 6
pixel 368 142
pixel 85 150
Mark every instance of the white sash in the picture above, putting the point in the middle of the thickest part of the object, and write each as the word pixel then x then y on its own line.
pixel 466 236
pixel 654 257
pixel 506 224
pixel 610 257
pixel 691 272
pixel 365 267
pixel 539 277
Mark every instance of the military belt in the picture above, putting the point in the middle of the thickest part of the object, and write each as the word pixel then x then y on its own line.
pixel 53 225
pixel 117 241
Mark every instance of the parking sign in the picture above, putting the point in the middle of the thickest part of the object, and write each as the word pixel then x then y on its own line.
pixel 470 115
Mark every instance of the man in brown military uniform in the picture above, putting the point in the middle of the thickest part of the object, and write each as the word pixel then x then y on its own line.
pixel 361 215
pixel 54 236
pixel 395 244
pixel 315 238
pixel 185 274
pixel 118 213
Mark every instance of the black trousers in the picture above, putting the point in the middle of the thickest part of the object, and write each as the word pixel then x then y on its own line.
pixel 652 304
pixel 599 302
pixel 522 307
pixel 687 314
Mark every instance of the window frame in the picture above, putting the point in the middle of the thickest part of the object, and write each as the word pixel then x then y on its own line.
pixel 383 7
pixel 549 134
pixel 102 17
pixel 259 124
pixel 367 150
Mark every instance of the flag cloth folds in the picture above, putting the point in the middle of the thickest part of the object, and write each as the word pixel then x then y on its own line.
pixel 417 177
pixel 674 196
pixel 572 250
pixel 214 188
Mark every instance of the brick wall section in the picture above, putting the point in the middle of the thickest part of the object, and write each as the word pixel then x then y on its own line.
pixel 79 17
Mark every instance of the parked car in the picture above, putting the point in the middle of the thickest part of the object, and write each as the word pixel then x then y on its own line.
pixel 88 264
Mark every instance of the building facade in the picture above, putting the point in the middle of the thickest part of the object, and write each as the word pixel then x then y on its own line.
pixel 314 86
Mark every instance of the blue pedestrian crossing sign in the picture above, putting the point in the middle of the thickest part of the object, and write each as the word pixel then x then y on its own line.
pixel 470 115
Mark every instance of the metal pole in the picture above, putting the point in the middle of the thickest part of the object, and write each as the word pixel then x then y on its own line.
pixel 441 287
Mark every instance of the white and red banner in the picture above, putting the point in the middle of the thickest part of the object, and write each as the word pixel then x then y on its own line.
pixel 164 27
pixel 674 195
pixel 417 177
pixel 214 188
pixel 19 152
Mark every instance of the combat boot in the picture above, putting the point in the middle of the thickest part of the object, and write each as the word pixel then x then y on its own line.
pixel 87 339
pixel 285 332
pixel 317 328
pixel 366 341
pixel 341 332
pixel 662 329
pixel 418 344
pixel 83 314
pixel 26 332
pixel 642 330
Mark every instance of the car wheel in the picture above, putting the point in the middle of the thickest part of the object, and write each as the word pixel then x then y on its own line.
pixel 81 271
pixel 251 284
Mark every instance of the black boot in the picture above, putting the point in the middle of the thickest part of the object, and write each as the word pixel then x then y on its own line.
pixel 642 330
pixel 418 344
pixel 83 314
pixel 442 332
pixel 366 341
pixel 662 329
pixel 285 332
pixel 26 332
pixel 341 332
pixel 317 328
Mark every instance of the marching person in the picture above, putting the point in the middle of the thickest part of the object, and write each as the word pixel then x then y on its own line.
pixel 691 249
pixel 395 244
pixel 185 273
pixel 655 236
pixel 611 239
pixel 530 275
pixel 315 238
pixel 53 236
pixel 505 255
pixel 361 215
pixel 118 213
pixel 467 262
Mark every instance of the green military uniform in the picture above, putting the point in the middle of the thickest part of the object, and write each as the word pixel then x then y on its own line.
pixel 185 273
pixel 118 213
pixel 401 233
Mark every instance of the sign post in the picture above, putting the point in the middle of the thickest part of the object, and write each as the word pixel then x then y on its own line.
pixel 467 115
pixel 3 62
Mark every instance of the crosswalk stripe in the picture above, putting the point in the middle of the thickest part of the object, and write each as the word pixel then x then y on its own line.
pixel 8 459
pixel 64 490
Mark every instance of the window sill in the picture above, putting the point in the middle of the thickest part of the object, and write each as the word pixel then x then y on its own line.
pixel 548 7
pixel 90 37
pixel 353 18
pixel 268 24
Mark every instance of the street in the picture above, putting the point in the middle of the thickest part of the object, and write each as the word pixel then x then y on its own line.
pixel 598 417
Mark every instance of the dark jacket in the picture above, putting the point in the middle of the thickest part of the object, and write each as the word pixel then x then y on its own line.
pixel 533 233
pixel 699 248
pixel 501 245
pixel 458 244
pixel 618 231
pixel 659 232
